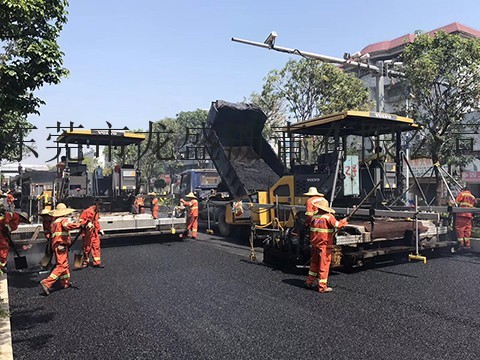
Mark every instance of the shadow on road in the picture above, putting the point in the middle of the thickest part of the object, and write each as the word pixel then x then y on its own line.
pixel 299 283
pixel 24 279
pixel 36 342
pixel 28 319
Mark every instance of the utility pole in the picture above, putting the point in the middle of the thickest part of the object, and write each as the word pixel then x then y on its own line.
pixel 380 87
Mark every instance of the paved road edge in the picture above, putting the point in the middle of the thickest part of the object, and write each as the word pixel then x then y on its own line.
pixel 6 350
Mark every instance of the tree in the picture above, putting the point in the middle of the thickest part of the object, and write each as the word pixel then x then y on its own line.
pixel 443 76
pixel 309 88
pixel 30 57
pixel 274 110
pixel 313 88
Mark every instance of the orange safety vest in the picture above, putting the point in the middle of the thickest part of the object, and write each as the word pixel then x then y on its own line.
pixel 10 219
pixel 466 200
pixel 90 215
pixel 61 228
pixel 193 205
pixel 310 209
pixel 322 229
pixel 10 199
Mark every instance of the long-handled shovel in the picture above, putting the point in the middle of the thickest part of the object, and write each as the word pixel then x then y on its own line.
pixel 20 261
pixel 78 256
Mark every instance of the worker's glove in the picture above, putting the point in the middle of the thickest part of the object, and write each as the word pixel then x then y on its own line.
pixel 90 225
pixel 342 223
pixel 102 232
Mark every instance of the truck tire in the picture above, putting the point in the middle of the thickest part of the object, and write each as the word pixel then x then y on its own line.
pixel 223 227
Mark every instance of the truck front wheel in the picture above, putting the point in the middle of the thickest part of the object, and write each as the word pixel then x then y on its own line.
pixel 223 227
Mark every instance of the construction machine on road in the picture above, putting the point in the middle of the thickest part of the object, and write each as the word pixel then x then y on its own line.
pixel 78 187
pixel 349 169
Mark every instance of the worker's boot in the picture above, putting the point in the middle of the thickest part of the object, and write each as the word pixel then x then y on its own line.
pixel 310 286
pixel 45 288
pixel 99 266
pixel 326 290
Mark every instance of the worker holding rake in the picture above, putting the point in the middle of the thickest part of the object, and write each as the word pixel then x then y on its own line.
pixel 322 231
pixel 192 225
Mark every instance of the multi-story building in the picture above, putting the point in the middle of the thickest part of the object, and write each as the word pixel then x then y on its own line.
pixel 392 95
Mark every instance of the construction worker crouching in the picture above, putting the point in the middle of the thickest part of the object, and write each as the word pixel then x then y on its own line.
pixel 61 242
pixel 322 231
pixel 463 221
pixel 90 235
pixel 192 225
pixel 9 222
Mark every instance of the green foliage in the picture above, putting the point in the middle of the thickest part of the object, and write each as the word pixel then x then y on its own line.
pixel 443 75
pixel 311 88
pixel 273 108
pixel 91 163
pixel 308 88
pixel 29 58
pixel 10 137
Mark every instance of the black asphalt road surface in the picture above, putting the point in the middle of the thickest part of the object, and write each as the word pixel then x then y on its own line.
pixel 203 299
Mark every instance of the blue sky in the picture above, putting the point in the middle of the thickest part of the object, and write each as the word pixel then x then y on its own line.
pixel 132 62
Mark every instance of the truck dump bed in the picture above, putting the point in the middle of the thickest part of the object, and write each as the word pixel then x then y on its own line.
pixel 244 159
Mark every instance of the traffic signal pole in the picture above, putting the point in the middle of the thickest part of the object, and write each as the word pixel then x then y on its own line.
pixel 379 71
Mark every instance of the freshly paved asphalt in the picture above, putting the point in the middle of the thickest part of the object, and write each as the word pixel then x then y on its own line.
pixel 203 299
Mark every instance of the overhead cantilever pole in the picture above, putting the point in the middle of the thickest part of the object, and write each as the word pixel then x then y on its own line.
pixel 311 55
pixel 379 71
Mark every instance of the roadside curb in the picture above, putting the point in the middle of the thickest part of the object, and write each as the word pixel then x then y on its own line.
pixel 6 350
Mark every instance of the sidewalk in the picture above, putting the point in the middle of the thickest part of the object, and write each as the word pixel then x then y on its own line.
pixel 6 351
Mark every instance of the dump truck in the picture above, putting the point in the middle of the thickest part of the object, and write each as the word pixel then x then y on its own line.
pixel 242 157
pixel 267 188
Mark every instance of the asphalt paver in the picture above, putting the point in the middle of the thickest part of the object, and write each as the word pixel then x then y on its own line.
pixel 197 299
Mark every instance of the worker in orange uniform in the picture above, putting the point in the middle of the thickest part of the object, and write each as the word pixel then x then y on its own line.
pixel 322 231
pixel 61 166
pixel 9 222
pixel 192 225
pixel 90 235
pixel 10 201
pixel 155 207
pixel 463 221
pixel 47 223
pixel 139 205
pixel 61 241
